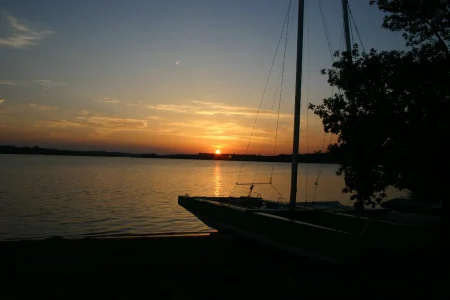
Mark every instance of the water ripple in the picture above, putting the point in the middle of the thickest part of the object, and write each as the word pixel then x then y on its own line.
pixel 45 196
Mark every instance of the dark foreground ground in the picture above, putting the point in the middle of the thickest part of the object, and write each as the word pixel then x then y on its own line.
pixel 195 267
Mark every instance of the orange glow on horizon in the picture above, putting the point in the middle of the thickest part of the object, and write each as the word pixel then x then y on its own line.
pixel 160 133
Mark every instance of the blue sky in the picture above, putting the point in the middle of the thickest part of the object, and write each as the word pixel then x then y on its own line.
pixel 161 76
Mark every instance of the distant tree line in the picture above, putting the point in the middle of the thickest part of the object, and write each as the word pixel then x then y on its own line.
pixel 316 157
pixel 45 151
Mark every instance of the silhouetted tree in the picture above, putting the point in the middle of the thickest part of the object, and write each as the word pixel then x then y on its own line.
pixel 423 22
pixel 393 113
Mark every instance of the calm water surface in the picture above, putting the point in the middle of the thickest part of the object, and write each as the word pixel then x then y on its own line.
pixel 43 196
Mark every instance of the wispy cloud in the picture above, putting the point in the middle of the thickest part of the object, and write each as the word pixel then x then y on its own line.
pixel 214 108
pixel 112 122
pixel 109 100
pixel 174 108
pixel 43 107
pixel 58 124
pixel 213 130
pixel 46 84
pixel 28 109
pixel 20 35
pixel 100 122
pixel 134 104
pixel 10 82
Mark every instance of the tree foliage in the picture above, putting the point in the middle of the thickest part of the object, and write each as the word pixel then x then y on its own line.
pixel 421 21
pixel 392 116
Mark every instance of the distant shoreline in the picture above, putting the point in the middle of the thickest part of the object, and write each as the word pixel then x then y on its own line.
pixel 303 158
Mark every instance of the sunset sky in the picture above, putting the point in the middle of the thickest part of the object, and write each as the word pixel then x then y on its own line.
pixel 167 76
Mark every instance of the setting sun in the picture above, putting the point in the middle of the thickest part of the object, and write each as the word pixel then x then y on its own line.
pixel 217 151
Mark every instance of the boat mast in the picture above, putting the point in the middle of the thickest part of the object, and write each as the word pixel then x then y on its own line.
pixel 347 29
pixel 298 91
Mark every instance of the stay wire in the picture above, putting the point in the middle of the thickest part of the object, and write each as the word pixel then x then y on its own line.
pixel 307 99
pixel 320 170
pixel 325 26
pixel 356 28
pixel 264 92
pixel 280 79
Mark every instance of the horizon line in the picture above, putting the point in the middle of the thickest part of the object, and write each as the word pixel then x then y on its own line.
pixel 153 153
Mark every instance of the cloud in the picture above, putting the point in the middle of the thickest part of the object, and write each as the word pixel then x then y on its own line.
pixel 174 108
pixel 133 104
pixel 58 124
pixel 46 84
pixel 213 130
pixel 178 62
pixel 43 107
pixel 112 122
pixel 18 34
pixel 109 100
pixel 2 100
pixel 215 108
pixel 28 109
pixel 10 82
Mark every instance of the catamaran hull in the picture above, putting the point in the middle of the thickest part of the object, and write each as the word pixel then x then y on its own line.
pixel 291 236
pixel 321 235
pixel 261 239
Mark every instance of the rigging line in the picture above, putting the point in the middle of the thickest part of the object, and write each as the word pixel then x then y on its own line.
pixel 329 142
pixel 356 28
pixel 325 26
pixel 341 45
pixel 341 42
pixel 268 125
pixel 278 192
pixel 319 171
pixel 280 79
pixel 332 90
pixel 307 97
pixel 264 92
pixel 281 92
pixel 281 88
pixel 352 39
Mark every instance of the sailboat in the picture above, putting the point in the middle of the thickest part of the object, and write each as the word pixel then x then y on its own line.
pixel 328 232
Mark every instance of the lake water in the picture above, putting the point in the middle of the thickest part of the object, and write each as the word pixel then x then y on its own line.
pixel 44 196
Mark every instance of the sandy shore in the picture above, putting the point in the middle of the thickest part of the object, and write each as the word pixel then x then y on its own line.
pixel 192 267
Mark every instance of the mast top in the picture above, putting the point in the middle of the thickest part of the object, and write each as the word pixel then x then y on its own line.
pixel 348 45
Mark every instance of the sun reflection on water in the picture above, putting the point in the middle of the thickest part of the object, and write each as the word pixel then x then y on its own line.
pixel 217 179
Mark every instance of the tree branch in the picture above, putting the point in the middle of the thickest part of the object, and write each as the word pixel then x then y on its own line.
pixel 436 33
